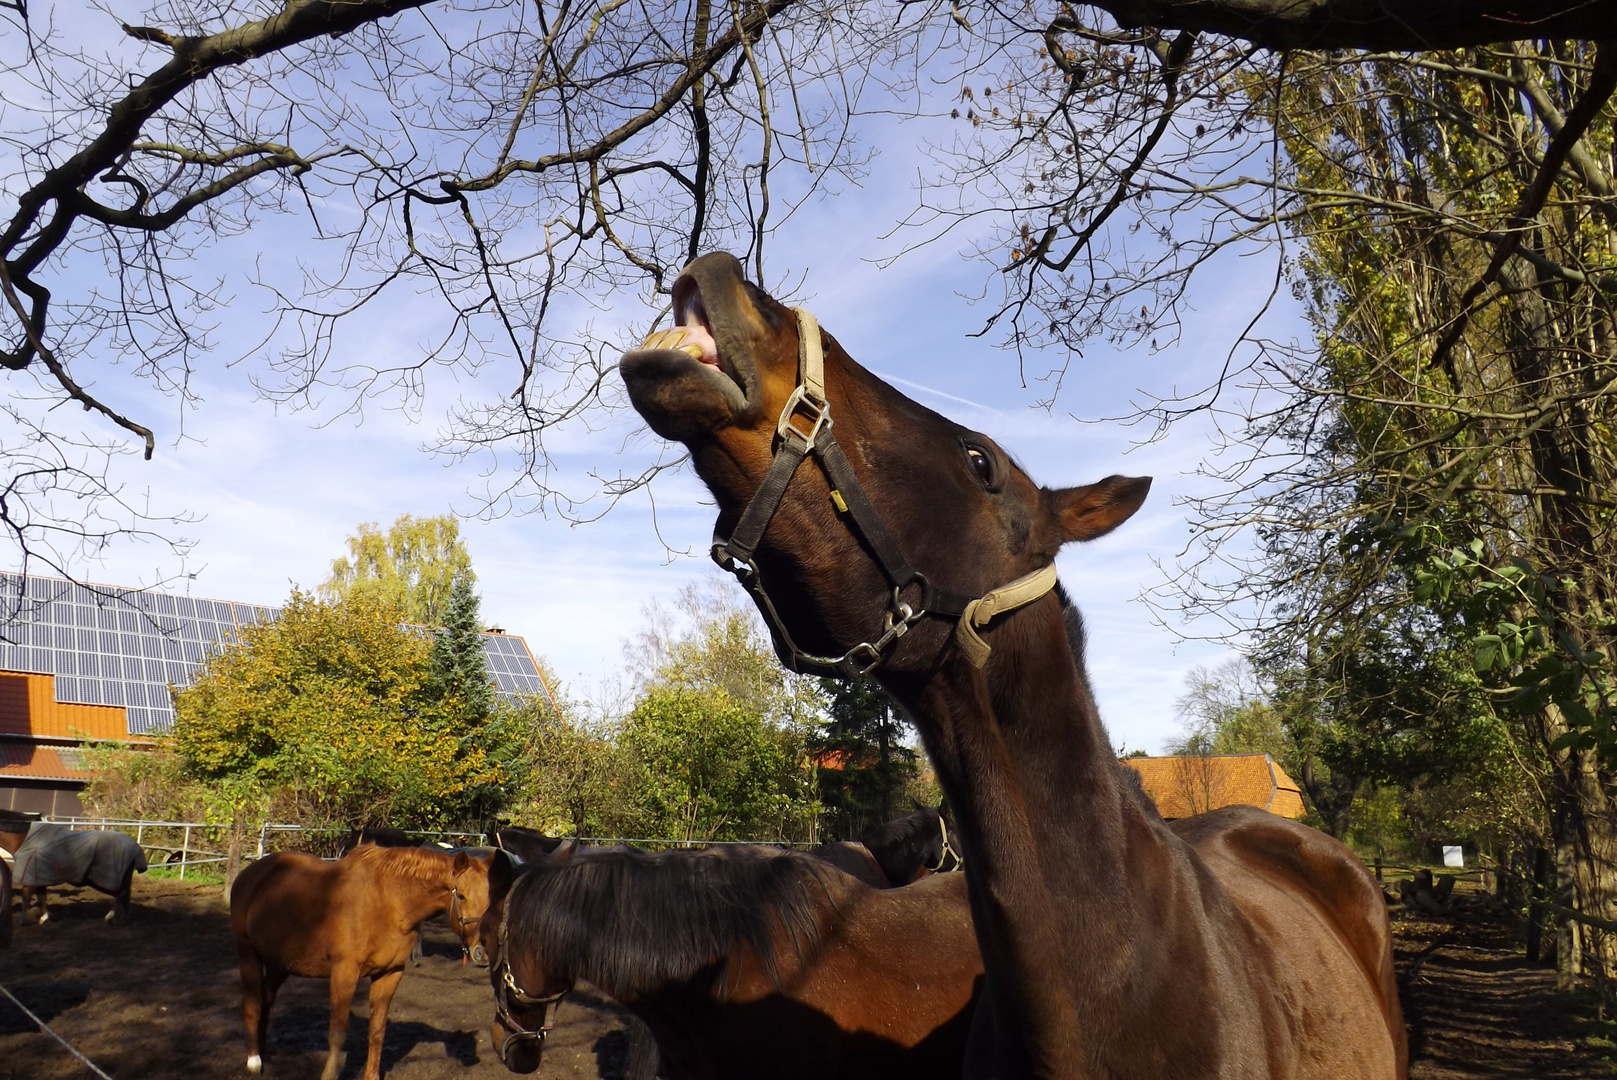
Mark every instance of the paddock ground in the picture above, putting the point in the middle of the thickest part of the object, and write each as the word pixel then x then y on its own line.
pixel 160 997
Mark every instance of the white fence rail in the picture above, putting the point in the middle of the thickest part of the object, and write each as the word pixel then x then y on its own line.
pixel 186 845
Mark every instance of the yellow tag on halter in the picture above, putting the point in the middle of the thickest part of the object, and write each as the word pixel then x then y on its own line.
pixel 836 500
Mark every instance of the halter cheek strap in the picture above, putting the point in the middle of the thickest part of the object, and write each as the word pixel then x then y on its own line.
pixel 804 429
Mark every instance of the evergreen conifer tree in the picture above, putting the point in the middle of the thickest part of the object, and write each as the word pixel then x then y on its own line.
pixel 864 761
pixel 459 668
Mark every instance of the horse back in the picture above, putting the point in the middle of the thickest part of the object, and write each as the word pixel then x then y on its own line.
pixel 285 908
pixel 855 860
pixel 1312 905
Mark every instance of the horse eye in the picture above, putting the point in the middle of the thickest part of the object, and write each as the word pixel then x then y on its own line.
pixel 981 464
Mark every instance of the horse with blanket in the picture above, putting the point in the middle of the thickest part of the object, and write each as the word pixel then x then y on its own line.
pixel 49 855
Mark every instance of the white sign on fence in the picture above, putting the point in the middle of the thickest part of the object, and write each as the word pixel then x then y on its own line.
pixel 1454 856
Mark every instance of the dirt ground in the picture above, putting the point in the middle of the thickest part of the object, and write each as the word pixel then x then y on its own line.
pixel 1476 1008
pixel 160 997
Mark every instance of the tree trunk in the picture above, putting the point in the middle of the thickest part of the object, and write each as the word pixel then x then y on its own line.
pixel 233 853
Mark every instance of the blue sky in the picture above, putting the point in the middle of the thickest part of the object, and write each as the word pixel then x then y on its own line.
pixel 277 492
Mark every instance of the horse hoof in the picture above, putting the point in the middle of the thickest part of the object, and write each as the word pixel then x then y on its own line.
pixel 111 916
pixel 255 1064
pixel 44 917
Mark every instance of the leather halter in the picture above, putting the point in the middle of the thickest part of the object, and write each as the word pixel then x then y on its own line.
pixel 804 429
pixel 947 849
pixel 508 990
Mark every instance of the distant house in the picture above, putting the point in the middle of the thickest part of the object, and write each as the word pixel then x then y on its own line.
pixel 1193 784
pixel 91 663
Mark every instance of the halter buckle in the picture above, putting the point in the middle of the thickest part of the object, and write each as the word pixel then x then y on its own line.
pixel 814 410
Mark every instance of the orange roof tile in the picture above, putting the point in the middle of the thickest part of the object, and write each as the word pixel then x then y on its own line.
pixel 23 761
pixel 1183 786
pixel 28 706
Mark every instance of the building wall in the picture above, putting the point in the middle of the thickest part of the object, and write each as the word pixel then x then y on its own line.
pixel 61 800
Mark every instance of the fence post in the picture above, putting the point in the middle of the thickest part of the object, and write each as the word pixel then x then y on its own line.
pixel 185 851
pixel 263 827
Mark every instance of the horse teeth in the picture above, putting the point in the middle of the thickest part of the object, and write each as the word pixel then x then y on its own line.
pixel 692 350
pixel 663 339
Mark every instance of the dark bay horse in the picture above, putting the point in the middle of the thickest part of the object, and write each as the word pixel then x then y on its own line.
pixel 741 962
pixel 5 904
pixel 295 914
pixel 910 847
pixel 1234 944
pixel 529 845
pixel 45 855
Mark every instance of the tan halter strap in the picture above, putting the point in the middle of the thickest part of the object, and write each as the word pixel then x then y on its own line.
pixel 1024 590
pixel 804 430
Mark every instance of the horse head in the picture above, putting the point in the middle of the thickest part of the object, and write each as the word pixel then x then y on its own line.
pixel 913 532
pixel 469 898
pixel 525 994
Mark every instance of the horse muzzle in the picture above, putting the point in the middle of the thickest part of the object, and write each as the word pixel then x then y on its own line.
pixel 519 1051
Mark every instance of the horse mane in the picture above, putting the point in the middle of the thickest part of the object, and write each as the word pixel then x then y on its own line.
pixel 632 921
pixel 1129 781
pixel 412 863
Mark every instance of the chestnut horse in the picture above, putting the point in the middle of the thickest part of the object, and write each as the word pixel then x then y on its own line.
pixel 295 914
pixel 1234 944
pixel 741 962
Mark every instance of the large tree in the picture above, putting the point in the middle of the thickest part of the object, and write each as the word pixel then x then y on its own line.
pixel 864 757
pixel 498 160
pixel 331 708
pixel 415 567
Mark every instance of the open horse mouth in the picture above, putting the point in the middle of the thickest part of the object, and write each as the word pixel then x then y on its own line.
pixel 700 374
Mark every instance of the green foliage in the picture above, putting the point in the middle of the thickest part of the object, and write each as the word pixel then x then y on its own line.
pixel 1522 645
pixel 709 767
pixel 332 706
pixel 412 567
pixel 864 764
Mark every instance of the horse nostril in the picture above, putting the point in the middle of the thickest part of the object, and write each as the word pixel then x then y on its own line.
pixel 479 957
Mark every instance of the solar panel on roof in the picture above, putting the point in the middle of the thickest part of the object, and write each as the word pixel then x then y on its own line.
pixel 124 647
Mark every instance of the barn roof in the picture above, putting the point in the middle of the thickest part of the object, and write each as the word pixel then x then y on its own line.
pixel 24 761
pixel 1193 784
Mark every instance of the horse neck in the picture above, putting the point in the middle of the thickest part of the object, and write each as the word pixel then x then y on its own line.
pixel 419 897
pixel 1058 854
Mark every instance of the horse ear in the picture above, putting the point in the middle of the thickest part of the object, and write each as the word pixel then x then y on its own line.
pixel 1093 510
pixel 500 875
pixel 463 862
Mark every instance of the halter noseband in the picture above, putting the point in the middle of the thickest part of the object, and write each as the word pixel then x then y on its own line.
pixel 508 991
pixel 804 428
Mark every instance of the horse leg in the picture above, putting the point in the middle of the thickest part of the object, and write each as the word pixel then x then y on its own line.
pixel 273 978
pixel 344 977
pixel 382 988
pixel 254 1013
pixel 36 896
pixel 120 899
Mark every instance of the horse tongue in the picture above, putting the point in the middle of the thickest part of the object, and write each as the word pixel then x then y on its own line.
pixel 694 341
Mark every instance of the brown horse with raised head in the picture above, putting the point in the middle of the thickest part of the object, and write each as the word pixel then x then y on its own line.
pixel 295 914
pixel 741 962
pixel 1234 944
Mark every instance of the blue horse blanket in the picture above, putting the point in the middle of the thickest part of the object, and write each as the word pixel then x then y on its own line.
pixel 54 855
